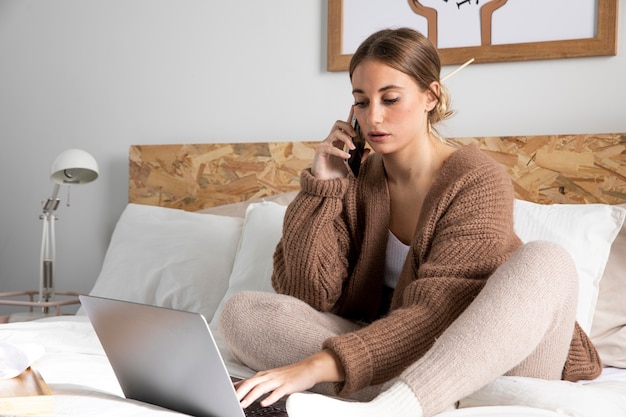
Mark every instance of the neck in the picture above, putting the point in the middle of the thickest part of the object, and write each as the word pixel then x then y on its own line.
pixel 420 162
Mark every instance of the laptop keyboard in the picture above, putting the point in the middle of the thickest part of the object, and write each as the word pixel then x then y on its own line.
pixel 255 410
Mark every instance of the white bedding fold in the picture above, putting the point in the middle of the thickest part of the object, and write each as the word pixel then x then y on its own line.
pixel 83 383
pixel 605 398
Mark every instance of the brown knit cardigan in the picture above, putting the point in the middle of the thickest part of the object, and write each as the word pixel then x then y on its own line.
pixel 332 256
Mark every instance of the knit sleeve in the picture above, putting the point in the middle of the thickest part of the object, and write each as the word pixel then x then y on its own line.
pixel 583 361
pixel 464 234
pixel 310 261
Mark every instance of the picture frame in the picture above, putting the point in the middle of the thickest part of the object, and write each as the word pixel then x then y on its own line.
pixel 604 43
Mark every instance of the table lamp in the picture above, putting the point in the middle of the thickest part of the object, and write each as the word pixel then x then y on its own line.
pixel 71 167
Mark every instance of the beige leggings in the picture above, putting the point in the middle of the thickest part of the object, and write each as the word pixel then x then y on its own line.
pixel 520 324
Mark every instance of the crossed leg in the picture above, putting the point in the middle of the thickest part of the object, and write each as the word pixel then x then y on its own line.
pixel 520 324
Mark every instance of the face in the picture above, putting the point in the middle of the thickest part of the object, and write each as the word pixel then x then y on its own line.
pixel 390 107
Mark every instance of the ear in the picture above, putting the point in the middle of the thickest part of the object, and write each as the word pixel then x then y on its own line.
pixel 435 88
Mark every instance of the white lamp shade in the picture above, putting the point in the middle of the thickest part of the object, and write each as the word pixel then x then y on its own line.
pixel 73 167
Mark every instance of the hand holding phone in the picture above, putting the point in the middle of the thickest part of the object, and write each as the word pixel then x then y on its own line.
pixel 356 154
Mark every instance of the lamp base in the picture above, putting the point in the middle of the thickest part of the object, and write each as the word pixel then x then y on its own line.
pixel 50 308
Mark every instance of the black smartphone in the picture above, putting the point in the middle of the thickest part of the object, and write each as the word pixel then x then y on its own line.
pixel 356 154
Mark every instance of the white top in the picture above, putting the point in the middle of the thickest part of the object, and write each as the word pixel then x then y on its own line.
pixel 395 256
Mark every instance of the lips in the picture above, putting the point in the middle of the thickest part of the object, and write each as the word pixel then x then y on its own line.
pixel 377 136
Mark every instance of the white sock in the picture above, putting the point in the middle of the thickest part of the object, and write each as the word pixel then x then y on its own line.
pixel 397 401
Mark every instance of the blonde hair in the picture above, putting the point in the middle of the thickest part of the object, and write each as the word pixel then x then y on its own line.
pixel 410 52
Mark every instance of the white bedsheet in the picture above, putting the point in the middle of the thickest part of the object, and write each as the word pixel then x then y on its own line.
pixel 83 383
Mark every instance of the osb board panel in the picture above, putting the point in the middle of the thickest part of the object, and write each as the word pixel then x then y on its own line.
pixel 562 168
pixel 544 169
pixel 193 177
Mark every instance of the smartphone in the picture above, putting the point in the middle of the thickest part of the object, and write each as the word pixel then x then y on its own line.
pixel 356 154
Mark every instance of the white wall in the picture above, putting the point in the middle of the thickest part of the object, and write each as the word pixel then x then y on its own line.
pixel 104 74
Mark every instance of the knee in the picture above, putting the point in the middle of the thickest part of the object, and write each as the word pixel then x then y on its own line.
pixel 252 313
pixel 237 305
pixel 241 308
pixel 251 305
pixel 550 255
pixel 237 316
pixel 549 265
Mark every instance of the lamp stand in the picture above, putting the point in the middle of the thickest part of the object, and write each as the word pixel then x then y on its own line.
pixel 48 251
pixel 71 167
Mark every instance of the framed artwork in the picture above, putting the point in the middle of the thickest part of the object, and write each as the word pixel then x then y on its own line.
pixel 486 30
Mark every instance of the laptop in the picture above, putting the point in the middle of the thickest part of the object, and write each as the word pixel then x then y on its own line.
pixel 168 358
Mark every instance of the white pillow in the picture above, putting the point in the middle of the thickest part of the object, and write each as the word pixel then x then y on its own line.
pixel 252 270
pixel 239 209
pixel 608 332
pixel 587 231
pixel 170 258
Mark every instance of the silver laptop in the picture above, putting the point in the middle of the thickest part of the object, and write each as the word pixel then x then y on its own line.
pixel 167 358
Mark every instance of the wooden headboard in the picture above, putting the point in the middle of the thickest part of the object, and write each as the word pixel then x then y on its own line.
pixel 544 169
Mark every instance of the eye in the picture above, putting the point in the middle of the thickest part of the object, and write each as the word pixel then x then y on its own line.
pixel 391 100
pixel 360 103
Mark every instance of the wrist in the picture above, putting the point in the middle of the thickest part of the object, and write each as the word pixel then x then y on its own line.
pixel 333 188
pixel 327 366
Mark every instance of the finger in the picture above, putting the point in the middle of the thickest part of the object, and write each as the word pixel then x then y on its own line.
pixel 259 391
pixel 237 383
pixel 244 386
pixel 343 126
pixel 342 138
pixel 274 396
pixel 330 149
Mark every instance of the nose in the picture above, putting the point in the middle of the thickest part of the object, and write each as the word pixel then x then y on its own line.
pixel 374 114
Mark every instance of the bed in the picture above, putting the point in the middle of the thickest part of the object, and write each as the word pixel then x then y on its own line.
pixel 203 219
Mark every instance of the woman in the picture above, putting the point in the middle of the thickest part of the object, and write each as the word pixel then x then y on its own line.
pixel 410 273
